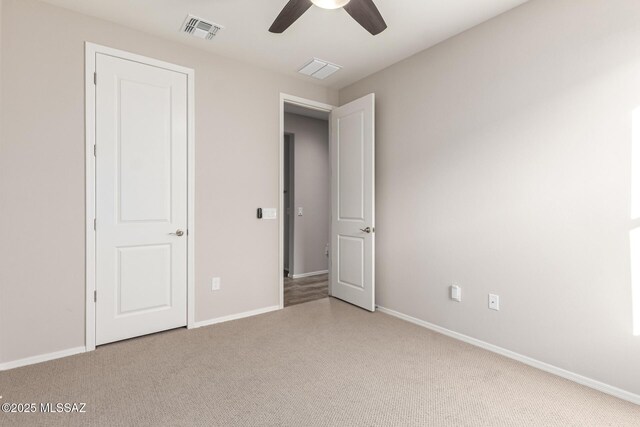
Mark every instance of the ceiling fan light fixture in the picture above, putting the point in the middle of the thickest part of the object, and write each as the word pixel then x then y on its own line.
pixel 330 4
pixel 364 12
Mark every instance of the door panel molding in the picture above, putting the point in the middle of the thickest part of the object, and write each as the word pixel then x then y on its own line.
pixel 91 51
pixel 352 149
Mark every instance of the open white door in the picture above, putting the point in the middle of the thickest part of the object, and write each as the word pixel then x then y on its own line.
pixel 353 203
pixel 141 199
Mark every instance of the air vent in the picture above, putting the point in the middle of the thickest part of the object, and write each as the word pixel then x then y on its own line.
pixel 200 28
pixel 319 69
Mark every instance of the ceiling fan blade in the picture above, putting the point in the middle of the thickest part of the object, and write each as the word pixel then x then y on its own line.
pixel 366 14
pixel 290 14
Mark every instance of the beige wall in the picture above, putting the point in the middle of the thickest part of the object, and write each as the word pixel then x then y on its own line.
pixel 42 181
pixel 312 192
pixel 503 164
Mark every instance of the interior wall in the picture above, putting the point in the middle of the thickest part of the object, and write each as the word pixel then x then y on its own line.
pixel 288 196
pixel 312 192
pixel 504 165
pixel 42 252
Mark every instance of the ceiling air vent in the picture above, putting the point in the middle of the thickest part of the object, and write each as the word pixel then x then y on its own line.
pixel 200 28
pixel 319 69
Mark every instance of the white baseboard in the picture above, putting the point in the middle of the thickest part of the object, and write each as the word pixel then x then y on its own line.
pixel 41 358
pixel 597 385
pixel 76 350
pixel 235 316
pixel 313 273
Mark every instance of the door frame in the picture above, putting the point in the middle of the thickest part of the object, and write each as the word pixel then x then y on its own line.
pixel 313 105
pixel 91 50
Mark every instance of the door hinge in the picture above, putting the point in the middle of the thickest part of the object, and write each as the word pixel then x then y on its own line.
pixel 95 296
pixel 95 78
pixel 94 224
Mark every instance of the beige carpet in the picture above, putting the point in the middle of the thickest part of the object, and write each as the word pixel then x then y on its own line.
pixel 323 363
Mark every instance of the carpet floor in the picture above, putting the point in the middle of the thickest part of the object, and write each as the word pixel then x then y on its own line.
pixel 323 363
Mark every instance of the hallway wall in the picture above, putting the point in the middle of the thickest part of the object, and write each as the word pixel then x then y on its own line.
pixel 312 192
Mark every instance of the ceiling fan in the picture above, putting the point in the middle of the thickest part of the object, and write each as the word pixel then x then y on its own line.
pixel 364 12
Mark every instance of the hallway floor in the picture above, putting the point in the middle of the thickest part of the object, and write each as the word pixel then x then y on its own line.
pixel 305 289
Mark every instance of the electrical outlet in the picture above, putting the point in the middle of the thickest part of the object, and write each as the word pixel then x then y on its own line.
pixel 456 293
pixel 215 284
pixel 494 302
pixel 300 211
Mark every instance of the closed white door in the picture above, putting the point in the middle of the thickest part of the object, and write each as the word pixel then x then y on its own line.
pixel 353 204
pixel 141 199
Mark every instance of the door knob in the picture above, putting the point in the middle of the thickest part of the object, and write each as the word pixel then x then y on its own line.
pixel 178 233
pixel 366 230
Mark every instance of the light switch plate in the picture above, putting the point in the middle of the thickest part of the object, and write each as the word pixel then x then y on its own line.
pixel 269 213
pixel 456 293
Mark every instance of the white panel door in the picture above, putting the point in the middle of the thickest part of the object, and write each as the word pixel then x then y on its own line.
pixel 353 204
pixel 141 199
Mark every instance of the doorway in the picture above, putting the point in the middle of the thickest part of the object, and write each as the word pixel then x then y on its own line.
pixel 307 204
pixel 351 249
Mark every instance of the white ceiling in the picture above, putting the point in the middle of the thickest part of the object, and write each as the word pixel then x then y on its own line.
pixel 331 35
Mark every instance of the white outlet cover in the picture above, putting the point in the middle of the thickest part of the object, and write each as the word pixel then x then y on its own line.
pixel 494 302
pixel 300 211
pixel 215 284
